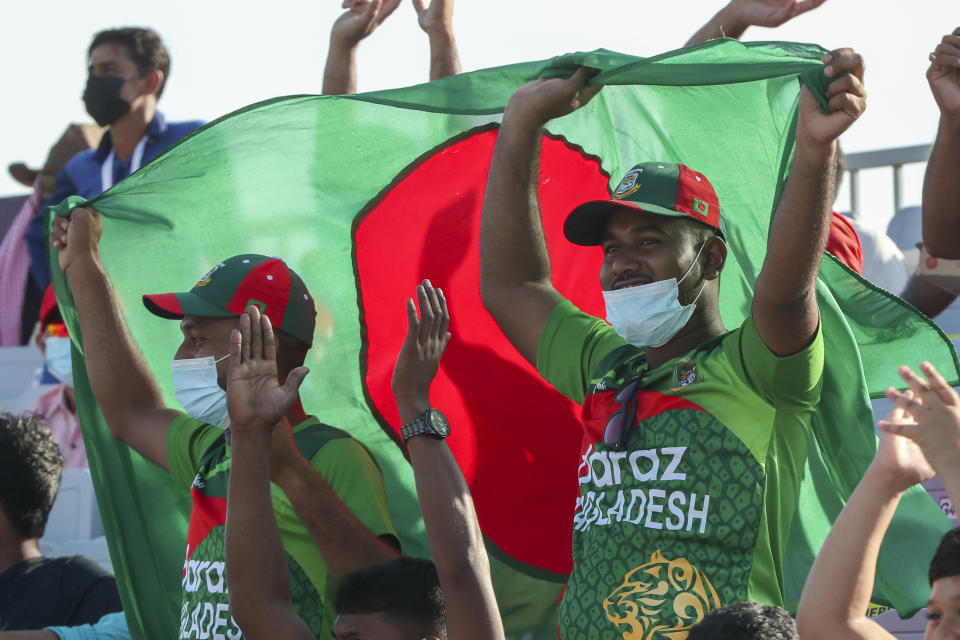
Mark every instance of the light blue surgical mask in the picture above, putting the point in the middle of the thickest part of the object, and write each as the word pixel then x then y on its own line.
pixel 56 357
pixel 195 385
pixel 649 315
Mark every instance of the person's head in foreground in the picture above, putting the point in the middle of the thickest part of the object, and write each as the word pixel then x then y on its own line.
pixel 395 600
pixel 745 621
pixel 943 607
pixel 211 310
pixel 30 469
pixel 128 70
pixel 663 249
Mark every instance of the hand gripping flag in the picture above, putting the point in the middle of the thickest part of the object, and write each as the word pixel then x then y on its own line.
pixel 366 195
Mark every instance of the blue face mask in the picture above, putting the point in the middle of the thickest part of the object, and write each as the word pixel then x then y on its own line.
pixel 649 315
pixel 195 385
pixel 57 359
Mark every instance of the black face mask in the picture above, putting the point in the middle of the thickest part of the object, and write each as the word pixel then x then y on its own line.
pixel 102 99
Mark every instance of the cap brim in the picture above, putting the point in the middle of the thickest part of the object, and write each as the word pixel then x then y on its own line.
pixel 173 306
pixel 587 224
pixel 23 174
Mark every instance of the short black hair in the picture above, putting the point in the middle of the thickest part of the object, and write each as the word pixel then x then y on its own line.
pixel 946 559
pixel 406 590
pixel 745 621
pixel 30 469
pixel 145 47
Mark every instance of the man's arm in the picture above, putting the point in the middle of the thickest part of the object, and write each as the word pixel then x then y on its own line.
pixel 785 308
pixel 448 512
pixel 734 19
pixel 514 266
pixel 126 391
pixel 941 189
pixel 928 298
pixel 359 20
pixel 436 19
pixel 837 592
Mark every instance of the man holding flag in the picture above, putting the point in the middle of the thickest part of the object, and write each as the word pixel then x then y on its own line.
pixel 695 438
pixel 333 503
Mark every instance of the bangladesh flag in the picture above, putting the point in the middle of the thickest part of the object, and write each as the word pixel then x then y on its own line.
pixel 366 195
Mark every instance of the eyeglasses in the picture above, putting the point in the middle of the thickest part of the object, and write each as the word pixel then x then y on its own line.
pixel 617 431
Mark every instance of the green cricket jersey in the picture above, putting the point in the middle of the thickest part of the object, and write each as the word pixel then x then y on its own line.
pixel 200 462
pixel 695 512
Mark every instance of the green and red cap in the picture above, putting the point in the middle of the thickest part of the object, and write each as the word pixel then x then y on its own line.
pixel 663 188
pixel 238 282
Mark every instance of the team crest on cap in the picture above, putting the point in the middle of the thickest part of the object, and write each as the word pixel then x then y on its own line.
pixel 205 279
pixel 628 185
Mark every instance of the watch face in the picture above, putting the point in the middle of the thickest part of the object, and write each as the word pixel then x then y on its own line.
pixel 439 423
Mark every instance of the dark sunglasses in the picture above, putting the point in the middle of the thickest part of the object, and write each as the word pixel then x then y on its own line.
pixel 617 431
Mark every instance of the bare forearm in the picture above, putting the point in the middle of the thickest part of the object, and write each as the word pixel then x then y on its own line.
pixel 340 72
pixel 784 306
pixel 444 60
pixel 725 24
pixel 838 589
pixel 345 543
pixel 941 193
pixel 118 373
pixel 928 298
pixel 455 541
pixel 256 566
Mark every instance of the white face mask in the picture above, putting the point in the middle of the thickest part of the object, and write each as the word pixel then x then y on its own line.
pixel 196 388
pixel 649 315
pixel 57 359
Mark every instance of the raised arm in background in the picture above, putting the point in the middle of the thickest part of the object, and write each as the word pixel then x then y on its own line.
pixel 448 513
pixel 941 188
pixel 785 299
pixel 257 577
pixel 436 19
pixel 123 385
pixel 514 266
pixel 838 589
pixel 734 19
pixel 359 20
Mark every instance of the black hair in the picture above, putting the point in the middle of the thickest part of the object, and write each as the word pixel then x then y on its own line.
pixel 405 590
pixel 144 46
pixel 946 559
pixel 745 621
pixel 30 469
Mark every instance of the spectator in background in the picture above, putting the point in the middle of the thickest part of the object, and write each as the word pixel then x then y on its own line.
pixel 57 407
pixel 745 621
pixel 128 71
pixel 399 598
pixel 19 293
pixel 362 17
pixel 36 591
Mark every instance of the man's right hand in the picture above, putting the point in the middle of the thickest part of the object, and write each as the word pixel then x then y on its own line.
pixel 76 236
pixel 360 19
pixel 540 101
pixel 944 74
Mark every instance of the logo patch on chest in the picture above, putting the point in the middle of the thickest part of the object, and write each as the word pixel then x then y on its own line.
pixel 684 374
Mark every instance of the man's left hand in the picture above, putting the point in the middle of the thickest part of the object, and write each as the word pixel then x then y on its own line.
pixel 435 18
pixel 846 96
pixel 944 74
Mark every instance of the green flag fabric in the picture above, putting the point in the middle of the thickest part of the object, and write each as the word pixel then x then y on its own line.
pixel 365 195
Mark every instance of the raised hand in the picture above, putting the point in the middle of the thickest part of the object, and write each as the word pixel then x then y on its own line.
pixel 76 236
pixel 435 17
pixel 901 459
pixel 255 398
pixel 543 100
pixel 847 100
pixel 360 19
pixel 933 409
pixel 944 74
pixel 770 13
pixel 420 354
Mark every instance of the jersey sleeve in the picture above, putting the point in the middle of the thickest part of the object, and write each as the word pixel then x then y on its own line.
pixel 187 440
pixel 571 346
pixel 788 383
pixel 112 626
pixel 351 472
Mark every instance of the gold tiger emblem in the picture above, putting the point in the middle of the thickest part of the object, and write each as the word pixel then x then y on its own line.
pixel 660 600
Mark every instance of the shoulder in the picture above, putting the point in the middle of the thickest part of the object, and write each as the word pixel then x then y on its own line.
pixel 182 128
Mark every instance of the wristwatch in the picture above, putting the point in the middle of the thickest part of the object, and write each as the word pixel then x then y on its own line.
pixel 431 422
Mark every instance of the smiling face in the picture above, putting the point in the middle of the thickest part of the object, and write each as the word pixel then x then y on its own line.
pixel 943 610
pixel 640 248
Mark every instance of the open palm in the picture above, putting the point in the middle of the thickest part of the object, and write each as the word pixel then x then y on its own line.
pixel 773 13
